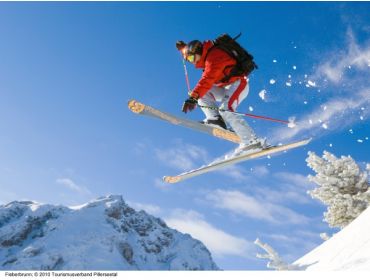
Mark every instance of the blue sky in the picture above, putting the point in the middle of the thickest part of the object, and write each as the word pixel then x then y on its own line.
pixel 66 136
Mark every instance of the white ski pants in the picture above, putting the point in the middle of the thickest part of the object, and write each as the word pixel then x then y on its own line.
pixel 230 97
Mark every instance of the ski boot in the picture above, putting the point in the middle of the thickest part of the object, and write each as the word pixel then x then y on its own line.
pixel 255 145
pixel 219 122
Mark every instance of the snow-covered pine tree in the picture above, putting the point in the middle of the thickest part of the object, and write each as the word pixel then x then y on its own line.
pixel 342 186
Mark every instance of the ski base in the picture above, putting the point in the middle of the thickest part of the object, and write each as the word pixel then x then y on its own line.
pixel 142 109
pixel 233 160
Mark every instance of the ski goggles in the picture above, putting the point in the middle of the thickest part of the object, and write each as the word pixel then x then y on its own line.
pixel 190 58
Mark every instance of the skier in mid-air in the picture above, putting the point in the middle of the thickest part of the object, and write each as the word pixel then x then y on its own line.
pixel 226 66
pixel 218 84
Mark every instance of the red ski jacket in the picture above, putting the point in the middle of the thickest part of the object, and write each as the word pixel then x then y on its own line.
pixel 216 64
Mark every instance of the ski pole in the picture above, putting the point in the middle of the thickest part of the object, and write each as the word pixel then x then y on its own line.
pixel 186 74
pixel 289 123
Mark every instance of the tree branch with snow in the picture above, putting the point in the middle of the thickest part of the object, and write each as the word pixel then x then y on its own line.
pixel 276 262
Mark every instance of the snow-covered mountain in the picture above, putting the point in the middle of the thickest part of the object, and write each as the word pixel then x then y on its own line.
pixel 104 234
pixel 349 249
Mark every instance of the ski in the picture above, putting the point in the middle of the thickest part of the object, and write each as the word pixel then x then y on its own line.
pixel 218 164
pixel 142 109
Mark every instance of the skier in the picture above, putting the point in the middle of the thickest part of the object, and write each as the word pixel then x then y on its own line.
pixel 216 85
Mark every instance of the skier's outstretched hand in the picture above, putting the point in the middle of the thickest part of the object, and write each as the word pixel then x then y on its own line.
pixel 189 105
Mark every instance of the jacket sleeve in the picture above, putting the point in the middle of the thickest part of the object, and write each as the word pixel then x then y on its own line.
pixel 213 72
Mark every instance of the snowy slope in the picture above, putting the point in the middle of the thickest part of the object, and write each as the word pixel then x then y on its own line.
pixel 105 234
pixel 349 249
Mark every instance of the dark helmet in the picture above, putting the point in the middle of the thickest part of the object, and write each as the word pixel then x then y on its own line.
pixel 193 47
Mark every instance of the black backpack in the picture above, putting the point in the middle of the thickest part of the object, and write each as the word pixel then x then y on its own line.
pixel 244 60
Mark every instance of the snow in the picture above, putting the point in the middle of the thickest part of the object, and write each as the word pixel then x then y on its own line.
pixel 311 83
pixel 292 122
pixel 349 249
pixel 324 236
pixel 104 234
pixel 262 94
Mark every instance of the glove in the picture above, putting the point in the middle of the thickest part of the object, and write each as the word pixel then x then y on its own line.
pixel 189 104
pixel 180 45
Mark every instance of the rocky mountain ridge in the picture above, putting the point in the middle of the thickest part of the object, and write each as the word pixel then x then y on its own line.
pixel 104 234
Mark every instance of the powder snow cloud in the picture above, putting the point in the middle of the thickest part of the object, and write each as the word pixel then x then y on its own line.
pixel 335 66
pixel 338 114
pixel 343 75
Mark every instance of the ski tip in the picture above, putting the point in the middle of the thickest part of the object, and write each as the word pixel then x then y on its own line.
pixel 171 179
pixel 136 106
